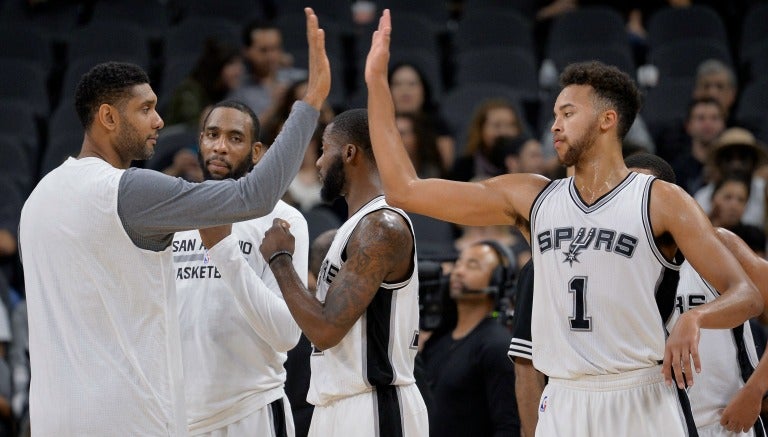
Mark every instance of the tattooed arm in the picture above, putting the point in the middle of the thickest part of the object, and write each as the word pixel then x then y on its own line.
pixel 380 249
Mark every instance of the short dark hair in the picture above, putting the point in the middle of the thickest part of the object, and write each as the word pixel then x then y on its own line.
pixel 656 165
pixel 611 85
pixel 251 26
pixel 110 83
pixel 242 107
pixel 704 101
pixel 351 127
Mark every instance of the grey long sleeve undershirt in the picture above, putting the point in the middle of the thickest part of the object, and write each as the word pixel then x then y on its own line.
pixel 152 205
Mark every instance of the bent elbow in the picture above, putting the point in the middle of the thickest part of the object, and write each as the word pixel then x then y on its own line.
pixel 324 342
pixel 758 304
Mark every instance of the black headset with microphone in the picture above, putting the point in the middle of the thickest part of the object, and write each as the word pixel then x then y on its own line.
pixel 503 276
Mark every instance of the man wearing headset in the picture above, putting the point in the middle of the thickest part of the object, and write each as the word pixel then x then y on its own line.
pixel 472 381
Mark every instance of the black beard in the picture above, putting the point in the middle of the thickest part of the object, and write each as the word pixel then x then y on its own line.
pixel 234 173
pixel 333 182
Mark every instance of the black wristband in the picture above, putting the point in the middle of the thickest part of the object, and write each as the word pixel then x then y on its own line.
pixel 278 253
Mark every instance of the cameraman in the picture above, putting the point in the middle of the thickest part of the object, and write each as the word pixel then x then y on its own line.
pixel 472 381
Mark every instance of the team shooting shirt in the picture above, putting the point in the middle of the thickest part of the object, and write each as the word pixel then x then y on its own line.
pixel 380 348
pixel 95 240
pixel 235 326
pixel 597 277
pixel 93 335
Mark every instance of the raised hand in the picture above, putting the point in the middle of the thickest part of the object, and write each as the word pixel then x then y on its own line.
pixel 378 58
pixel 319 80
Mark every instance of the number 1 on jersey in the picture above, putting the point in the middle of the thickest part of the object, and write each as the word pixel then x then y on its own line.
pixel 579 321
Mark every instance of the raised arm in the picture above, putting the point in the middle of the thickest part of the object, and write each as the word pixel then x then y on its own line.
pixel 503 200
pixel 379 249
pixel 153 206
pixel 675 212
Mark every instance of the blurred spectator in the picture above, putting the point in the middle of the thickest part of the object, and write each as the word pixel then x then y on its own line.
pixel 737 151
pixel 492 119
pixel 282 110
pixel 421 144
pixel 704 124
pixel 521 154
pixel 729 201
pixel 717 80
pixel 304 191
pixel 412 94
pixel 507 236
pixel 269 71
pixel 218 71
pixel 18 357
pixel 472 381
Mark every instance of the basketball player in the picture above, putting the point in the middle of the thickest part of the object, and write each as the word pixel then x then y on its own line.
pixel 728 355
pixel 104 339
pixel 602 242
pixel 729 380
pixel 363 320
pixel 235 326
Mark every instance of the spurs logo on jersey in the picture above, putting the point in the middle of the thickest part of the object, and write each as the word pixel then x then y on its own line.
pixel 598 275
pixel 604 239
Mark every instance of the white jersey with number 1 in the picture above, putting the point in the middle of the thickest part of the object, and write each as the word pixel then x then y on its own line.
pixel 598 277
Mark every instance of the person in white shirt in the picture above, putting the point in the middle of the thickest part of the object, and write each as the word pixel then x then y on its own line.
pixel 104 342
pixel 235 326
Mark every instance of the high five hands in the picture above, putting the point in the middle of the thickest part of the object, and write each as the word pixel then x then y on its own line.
pixel 319 79
pixel 378 58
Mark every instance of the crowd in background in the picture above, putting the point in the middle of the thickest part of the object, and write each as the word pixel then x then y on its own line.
pixel 473 82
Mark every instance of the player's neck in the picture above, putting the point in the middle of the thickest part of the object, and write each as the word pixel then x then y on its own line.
pixel 597 176
pixel 93 148
pixel 360 192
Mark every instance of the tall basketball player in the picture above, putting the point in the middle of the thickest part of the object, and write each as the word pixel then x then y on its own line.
pixel 363 320
pixel 603 243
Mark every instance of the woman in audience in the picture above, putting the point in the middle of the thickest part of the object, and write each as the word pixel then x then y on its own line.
pixel 412 94
pixel 421 145
pixel 492 119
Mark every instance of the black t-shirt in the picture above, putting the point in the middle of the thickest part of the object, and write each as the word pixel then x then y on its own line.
pixel 473 383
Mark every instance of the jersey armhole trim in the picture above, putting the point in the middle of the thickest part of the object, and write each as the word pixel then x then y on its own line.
pixel 646 214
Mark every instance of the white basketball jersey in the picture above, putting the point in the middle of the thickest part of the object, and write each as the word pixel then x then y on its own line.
pixel 597 277
pixel 380 348
pixel 728 356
